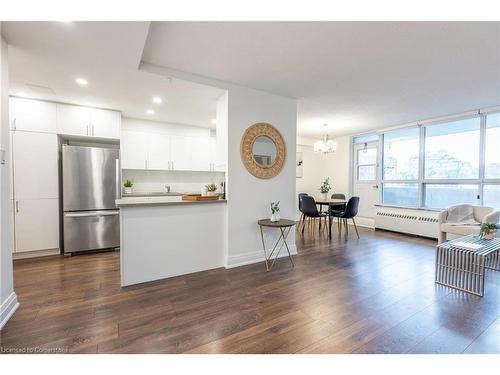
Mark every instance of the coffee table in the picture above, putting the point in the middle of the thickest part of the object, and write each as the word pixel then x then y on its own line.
pixel 465 269
pixel 284 225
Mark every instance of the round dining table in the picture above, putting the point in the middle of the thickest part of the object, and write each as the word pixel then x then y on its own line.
pixel 327 202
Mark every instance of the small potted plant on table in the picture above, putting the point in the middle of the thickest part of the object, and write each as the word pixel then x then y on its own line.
pixel 275 211
pixel 325 188
pixel 127 187
pixel 488 231
pixel 211 189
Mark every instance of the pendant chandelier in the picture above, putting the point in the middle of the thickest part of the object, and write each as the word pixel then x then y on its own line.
pixel 325 145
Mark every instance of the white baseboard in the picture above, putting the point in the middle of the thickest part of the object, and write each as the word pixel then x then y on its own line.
pixel 35 254
pixel 250 257
pixel 8 308
pixel 366 222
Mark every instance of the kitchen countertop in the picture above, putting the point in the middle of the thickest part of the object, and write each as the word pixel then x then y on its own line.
pixel 159 200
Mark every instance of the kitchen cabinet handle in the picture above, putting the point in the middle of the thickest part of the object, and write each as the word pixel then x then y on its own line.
pixel 17 206
pixel 92 130
pixel 14 123
pixel 87 129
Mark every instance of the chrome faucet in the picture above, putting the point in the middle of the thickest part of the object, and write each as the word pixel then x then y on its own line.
pixel 167 188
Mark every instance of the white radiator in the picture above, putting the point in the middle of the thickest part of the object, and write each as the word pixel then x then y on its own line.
pixel 406 220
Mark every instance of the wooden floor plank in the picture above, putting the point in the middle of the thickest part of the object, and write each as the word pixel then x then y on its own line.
pixel 372 295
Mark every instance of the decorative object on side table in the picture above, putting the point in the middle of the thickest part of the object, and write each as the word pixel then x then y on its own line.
pixel 325 188
pixel 127 187
pixel 211 189
pixel 275 211
pixel 488 231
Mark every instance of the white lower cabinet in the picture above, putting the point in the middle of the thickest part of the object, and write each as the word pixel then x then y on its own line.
pixel 36 223
pixel 36 191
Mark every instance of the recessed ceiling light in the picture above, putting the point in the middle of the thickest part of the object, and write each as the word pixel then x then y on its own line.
pixel 82 81
pixel 157 100
pixel 150 111
pixel 214 121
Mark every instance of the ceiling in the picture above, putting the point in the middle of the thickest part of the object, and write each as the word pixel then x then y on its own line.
pixel 45 58
pixel 355 76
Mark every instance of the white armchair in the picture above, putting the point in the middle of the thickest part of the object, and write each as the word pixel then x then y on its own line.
pixel 481 215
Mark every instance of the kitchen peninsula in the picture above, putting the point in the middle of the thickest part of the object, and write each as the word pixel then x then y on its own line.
pixel 165 236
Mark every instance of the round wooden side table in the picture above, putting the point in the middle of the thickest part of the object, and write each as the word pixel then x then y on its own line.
pixel 284 225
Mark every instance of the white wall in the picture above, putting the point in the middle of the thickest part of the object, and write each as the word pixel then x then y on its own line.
pixel 8 299
pixel 317 167
pixel 249 197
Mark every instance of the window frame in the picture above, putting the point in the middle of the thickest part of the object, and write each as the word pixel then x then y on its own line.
pixel 421 181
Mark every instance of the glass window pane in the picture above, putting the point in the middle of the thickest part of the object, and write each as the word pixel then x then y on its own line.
pixel 367 173
pixel 491 196
pixel 367 156
pixel 401 151
pixel 492 152
pixel 452 150
pixel 445 195
pixel 404 194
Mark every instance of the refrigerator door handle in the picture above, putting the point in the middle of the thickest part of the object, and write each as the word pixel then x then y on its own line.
pixel 94 213
pixel 118 179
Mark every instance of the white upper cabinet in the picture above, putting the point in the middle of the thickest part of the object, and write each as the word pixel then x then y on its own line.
pixel 180 153
pixel 35 165
pixel 134 149
pixel 73 120
pixel 33 115
pixel 158 151
pixel 105 123
pixel 88 122
pixel 202 154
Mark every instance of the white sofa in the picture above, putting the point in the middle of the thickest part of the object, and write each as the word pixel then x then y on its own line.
pixel 481 215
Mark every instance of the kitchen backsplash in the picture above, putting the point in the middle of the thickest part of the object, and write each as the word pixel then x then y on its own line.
pixel 179 181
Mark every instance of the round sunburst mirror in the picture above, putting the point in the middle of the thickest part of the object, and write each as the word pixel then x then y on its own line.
pixel 263 150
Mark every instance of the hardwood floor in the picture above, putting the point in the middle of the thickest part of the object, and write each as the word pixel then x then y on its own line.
pixel 373 295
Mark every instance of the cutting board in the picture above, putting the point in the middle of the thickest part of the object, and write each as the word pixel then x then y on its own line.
pixel 199 197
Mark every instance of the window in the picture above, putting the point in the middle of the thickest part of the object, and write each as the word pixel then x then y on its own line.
pixel 492 151
pixel 491 196
pixel 403 194
pixel 401 154
pixel 367 164
pixel 452 150
pixel 441 164
pixel 444 195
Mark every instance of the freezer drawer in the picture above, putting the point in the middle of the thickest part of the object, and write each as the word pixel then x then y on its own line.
pixel 91 230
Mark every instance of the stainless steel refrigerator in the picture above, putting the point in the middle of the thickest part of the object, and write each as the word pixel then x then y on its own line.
pixel 90 185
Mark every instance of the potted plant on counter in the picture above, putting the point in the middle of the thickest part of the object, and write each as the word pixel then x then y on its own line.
pixel 211 189
pixel 488 231
pixel 325 188
pixel 275 211
pixel 127 187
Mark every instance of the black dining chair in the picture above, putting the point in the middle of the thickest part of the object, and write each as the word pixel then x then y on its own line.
pixel 310 210
pixel 350 212
pixel 300 206
pixel 337 206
